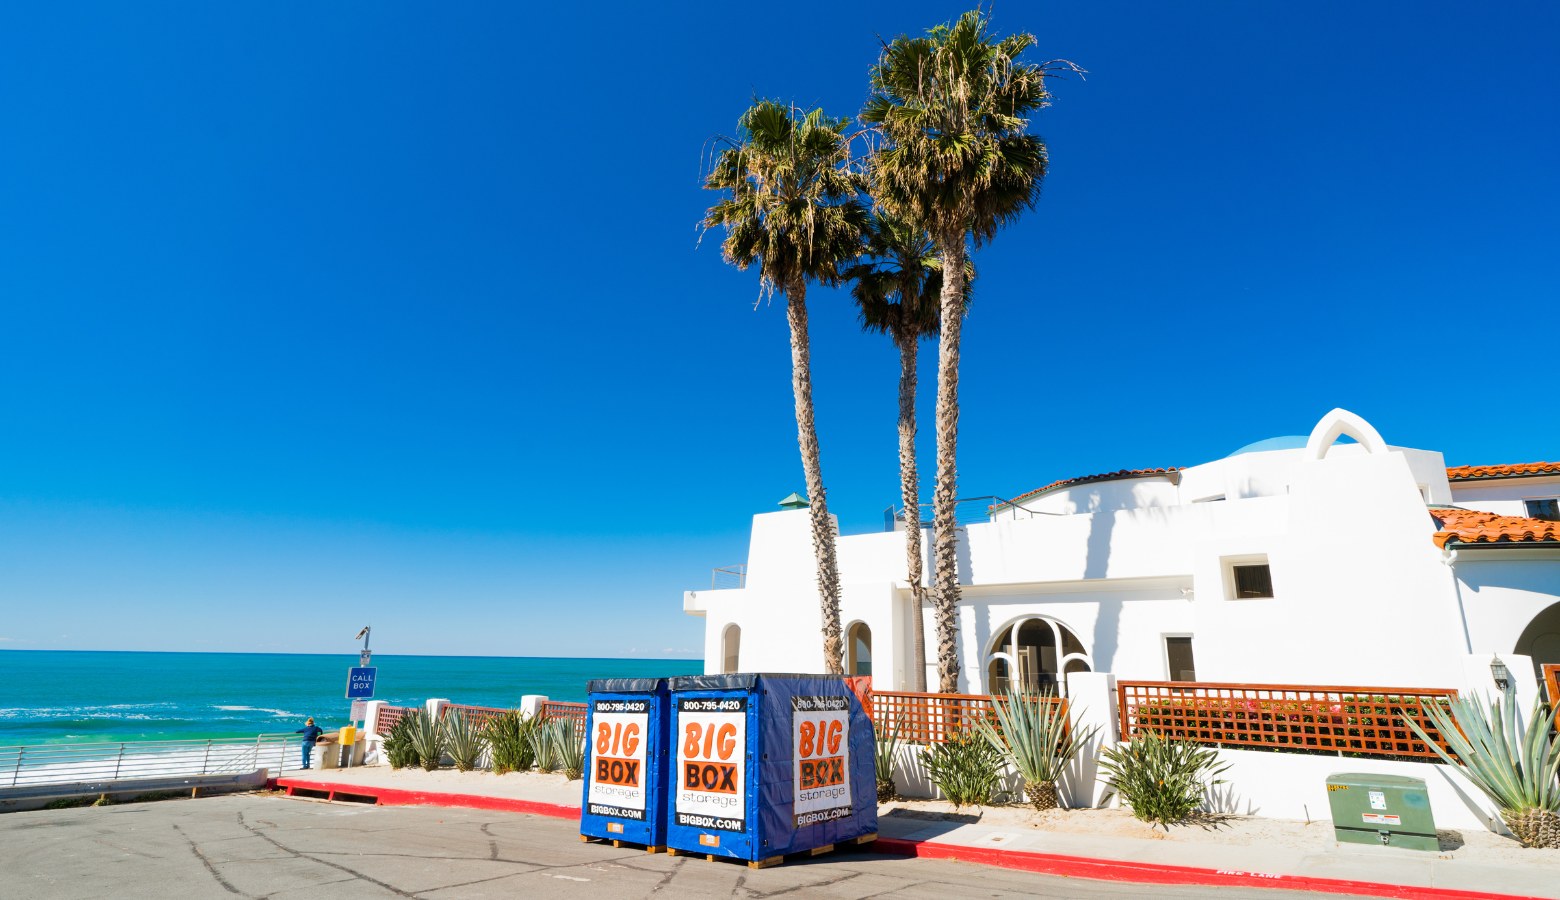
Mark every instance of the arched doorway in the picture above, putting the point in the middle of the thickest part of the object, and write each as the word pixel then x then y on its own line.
pixel 1541 639
pixel 858 650
pixel 730 649
pixel 1033 654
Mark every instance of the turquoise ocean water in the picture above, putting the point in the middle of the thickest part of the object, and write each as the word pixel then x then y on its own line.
pixel 49 696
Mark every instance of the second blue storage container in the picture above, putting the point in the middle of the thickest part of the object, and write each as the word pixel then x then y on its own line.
pixel 767 765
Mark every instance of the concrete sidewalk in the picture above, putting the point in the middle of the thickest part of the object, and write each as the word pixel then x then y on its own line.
pixel 1323 867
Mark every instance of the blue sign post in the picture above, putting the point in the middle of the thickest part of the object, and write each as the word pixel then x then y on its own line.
pixel 360 682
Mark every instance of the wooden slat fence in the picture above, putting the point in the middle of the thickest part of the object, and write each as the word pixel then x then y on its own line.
pixel 388 716
pixel 930 718
pixel 1362 721
pixel 1552 685
pixel 558 709
pixel 479 716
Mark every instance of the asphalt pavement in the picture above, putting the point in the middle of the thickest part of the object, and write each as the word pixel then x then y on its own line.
pixel 269 846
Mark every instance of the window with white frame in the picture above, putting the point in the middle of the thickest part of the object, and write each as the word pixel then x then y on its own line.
pixel 1036 653
pixel 1543 508
pixel 1178 658
pixel 1248 577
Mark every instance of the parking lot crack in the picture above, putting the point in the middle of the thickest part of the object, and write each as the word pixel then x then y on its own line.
pixel 666 879
pixel 360 876
pixel 815 886
pixel 226 885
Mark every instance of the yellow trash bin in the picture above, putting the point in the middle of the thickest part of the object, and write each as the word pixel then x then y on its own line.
pixel 348 735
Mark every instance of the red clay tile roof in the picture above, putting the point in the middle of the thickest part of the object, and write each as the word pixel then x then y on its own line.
pixel 1086 479
pixel 1469 526
pixel 1515 470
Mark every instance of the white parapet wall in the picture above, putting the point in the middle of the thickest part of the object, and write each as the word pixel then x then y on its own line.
pixel 1276 785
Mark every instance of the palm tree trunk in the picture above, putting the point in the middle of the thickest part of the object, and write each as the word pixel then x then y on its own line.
pixel 910 494
pixel 945 562
pixel 812 470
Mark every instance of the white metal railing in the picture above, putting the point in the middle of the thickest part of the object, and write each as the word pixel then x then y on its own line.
pixel 44 764
pixel 728 577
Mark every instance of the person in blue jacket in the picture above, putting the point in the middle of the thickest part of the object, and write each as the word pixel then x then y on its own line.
pixel 311 733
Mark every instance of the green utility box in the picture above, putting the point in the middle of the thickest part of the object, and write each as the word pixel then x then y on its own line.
pixel 1393 810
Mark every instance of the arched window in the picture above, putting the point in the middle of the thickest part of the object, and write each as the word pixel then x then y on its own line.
pixel 1541 639
pixel 730 647
pixel 858 650
pixel 1034 654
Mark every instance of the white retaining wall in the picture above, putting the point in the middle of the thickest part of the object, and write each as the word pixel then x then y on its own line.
pixel 1277 785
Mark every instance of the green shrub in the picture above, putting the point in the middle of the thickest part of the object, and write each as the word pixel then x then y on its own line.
pixel 1032 735
pixel 463 739
pixel 1162 780
pixel 1515 767
pixel 965 767
pixel 426 738
pixel 509 737
pixel 398 744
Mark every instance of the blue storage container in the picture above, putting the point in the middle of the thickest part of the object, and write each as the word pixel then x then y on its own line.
pixel 767 765
pixel 626 761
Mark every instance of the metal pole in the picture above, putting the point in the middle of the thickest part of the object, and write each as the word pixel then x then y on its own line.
pixel 120 759
pixel 17 771
pixel 206 760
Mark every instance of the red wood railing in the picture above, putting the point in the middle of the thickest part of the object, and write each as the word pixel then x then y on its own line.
pixel 1552 685
pixel 931 718
pixel 1363 721
pixel 558 709
pixel 479 716
pixel 388 716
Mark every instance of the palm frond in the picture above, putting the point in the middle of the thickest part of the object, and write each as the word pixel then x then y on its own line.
pixel 790 203
pixel 951 110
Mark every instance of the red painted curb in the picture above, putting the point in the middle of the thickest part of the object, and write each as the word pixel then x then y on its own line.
pixel 1022 860
pixel 398 797
pixel 1159 873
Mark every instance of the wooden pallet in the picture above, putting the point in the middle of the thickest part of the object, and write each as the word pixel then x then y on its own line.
pixel 777 860
pixel 648 848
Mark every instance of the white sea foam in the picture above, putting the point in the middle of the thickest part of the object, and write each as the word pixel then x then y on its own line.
pixel 111 711
pixel 279 713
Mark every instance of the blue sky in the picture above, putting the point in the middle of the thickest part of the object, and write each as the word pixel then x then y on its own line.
pixel 318 316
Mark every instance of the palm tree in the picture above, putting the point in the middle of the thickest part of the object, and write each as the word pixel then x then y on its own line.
pixel 791 206
pixel 897 294
pixel 950 109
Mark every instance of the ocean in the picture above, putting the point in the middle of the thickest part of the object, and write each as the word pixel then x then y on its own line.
pixel 55 696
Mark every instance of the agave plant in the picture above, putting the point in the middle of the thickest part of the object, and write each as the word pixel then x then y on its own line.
pixel 883 761
pixel 545 745
pixel 570 747
pixel 426 739
pixel 463 739
pixel 509 737
pixel 1033 736
pixel 1514 766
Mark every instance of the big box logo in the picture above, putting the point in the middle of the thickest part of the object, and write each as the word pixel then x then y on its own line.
pixel 711 763
pixel 619 739
pixel 820 730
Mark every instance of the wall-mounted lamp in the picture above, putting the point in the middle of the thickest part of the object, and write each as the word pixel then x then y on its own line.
pixel 1500 673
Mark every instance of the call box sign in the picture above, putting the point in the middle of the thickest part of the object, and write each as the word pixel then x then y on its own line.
pixel 360 682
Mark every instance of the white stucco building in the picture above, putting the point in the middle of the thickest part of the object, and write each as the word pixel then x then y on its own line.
pixel 1294 560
